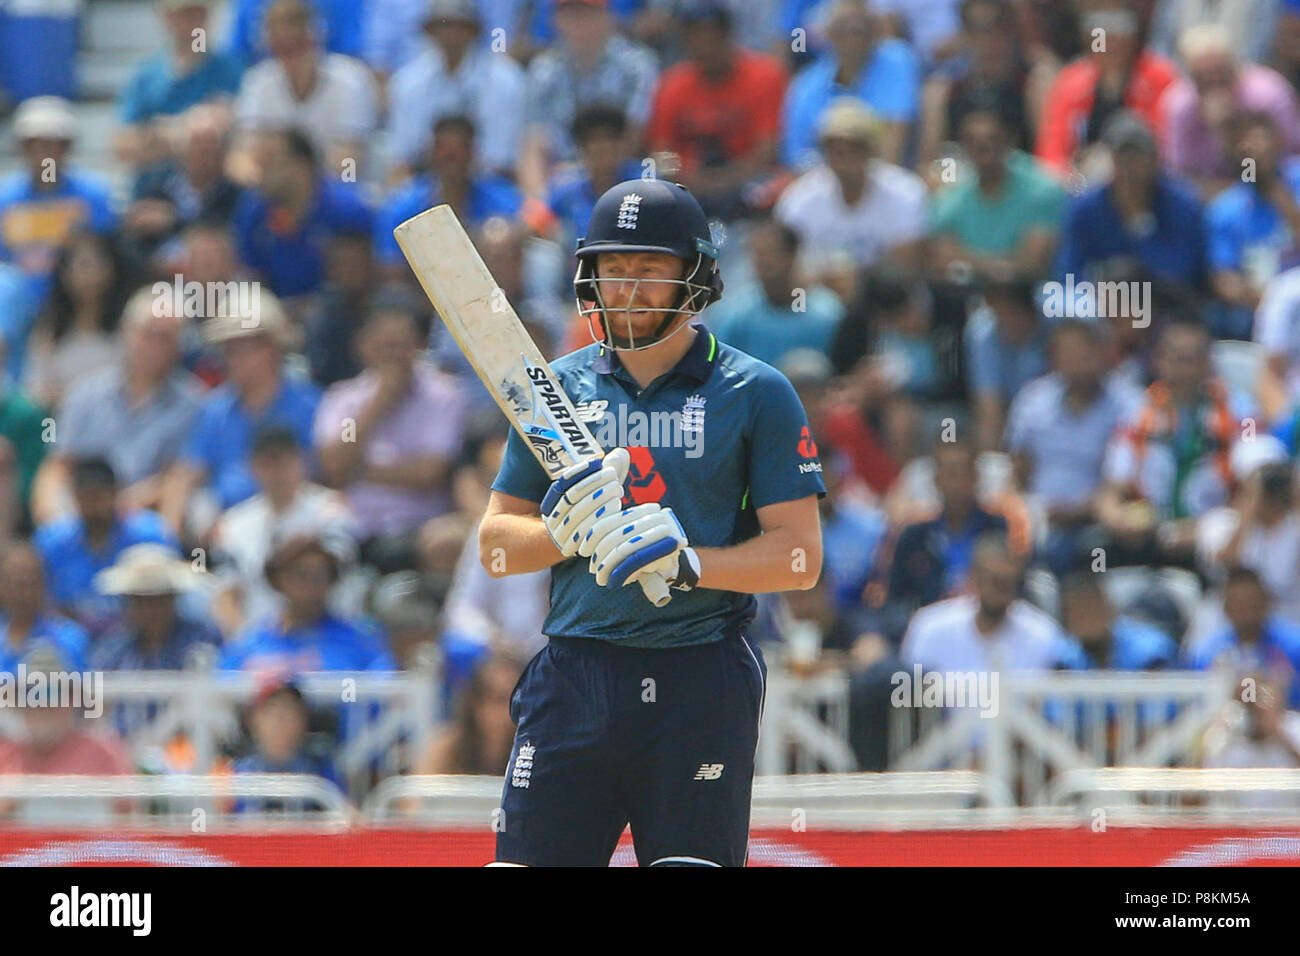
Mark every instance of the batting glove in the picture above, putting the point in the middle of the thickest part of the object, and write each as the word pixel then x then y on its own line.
pixel 584 494
pixel 647 539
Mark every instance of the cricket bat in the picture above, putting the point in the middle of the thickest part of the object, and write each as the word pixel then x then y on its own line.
pixel 489 332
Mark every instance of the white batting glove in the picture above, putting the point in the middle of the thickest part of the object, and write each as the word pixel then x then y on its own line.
pixel 584 494
pixel 647 539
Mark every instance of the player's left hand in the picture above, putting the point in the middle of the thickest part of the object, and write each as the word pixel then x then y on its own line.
pixel 647 539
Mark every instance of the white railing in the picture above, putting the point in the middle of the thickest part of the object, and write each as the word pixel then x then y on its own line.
pixel 191 801
pixel 1046 724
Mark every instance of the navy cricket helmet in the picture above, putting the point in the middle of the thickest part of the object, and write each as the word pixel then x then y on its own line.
pixel 650 215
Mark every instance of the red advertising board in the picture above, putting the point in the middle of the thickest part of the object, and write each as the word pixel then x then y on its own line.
pixel 375 847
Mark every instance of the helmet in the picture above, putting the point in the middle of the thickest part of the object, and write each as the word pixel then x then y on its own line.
pixel 648 215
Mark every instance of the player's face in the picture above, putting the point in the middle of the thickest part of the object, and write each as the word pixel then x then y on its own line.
pixel 637 291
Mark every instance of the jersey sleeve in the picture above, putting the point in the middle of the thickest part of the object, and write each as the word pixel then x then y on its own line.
pixel 783 462
pixel 520 475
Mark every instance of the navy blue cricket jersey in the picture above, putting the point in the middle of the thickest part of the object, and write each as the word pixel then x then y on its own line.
pixel 715 438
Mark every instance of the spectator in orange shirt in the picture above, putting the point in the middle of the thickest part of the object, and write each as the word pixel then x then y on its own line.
pixel 718 112
pixel 1117 73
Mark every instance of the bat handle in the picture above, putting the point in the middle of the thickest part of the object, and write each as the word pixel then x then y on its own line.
pixel 655 588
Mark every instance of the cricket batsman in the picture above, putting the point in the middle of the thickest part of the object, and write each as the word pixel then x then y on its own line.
pixel 636 714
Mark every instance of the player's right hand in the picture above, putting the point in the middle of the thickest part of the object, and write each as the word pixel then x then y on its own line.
pixel 583 495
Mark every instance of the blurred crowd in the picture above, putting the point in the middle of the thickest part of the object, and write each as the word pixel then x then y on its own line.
pixel 1032 265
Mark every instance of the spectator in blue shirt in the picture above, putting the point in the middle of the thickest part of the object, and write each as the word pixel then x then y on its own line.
pixel 154 634
pixel 306 636
pixel 278 721
pixel 76 548
pixel 1106 640
pixel 1253 224
pixel 930 560
pixel 282 228
pixel 26 620
pixel 1006 347
pixel 258 392
pixel 773 316
pixel 43 205
pixel 1142 216
pixel 452 180
pixel 600 133
pixel 1256 641
pixel 172 80
pixel 339 24
pixel 883 72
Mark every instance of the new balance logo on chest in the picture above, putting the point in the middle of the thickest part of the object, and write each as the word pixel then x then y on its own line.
pixel 709 771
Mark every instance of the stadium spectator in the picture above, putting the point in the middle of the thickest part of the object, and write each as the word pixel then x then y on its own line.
pixel 1284 52
pixel 905 347
pixel 77 333
pixel 45 204
pixel 185 188
pixel 388 438
pixel 332 320
pixel 136 413
pixel 881 71
pixel 1170 461
pixel 482 730
pixel 1260 732
pixel 76 548
pixel 990 629
pixel 1141 216
pixel 600 132
pixel 452 179
pixel 1277 330
pixel 855 209
pixel 994 73
pixel 1201 107
pixel 184 74
pixel 1117 73
pixel 1251 225
pixel 306 636
pixel 1002 222
pixel 1261 531
pixel 926 561
pixel 27 621
pixel 454 75
pixel 1109 640
pixel 1255 640
pixel 329 98
pixel 55 740
pixel 278 720
pixel 1006 347
pixel 154 634
pixel 337 23
pixel 590 64
pixel 1058 428
pixel 283 226
pixel 719 112
pixel 773 316
pixel 259 392
pixel 286 506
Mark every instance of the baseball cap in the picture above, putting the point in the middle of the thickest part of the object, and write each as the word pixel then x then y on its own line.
pixel 45 117
pixel 1127 130
pixel 1247 457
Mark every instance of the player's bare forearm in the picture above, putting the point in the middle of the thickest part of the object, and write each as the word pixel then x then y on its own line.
pixel 787 556
pixel 512 539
